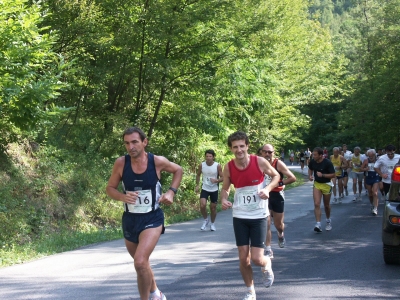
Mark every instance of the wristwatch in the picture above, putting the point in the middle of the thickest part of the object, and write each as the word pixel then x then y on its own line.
pixel 173 189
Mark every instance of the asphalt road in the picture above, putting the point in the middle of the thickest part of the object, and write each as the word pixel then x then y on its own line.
pixel 345 263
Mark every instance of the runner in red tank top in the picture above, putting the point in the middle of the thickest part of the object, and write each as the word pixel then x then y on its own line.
pixel 249 209
pixel 276 198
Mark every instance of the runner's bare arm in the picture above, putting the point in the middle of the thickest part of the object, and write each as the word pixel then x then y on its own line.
pixel 198 174
pixel 225 188
pixel 290 178
pixel 113 182
pixel 266 167
pixel 163 164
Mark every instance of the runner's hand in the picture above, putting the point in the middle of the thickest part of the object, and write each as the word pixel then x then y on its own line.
pixel 226 204
pixel 167 198
pixel 130 197
pixel 264 194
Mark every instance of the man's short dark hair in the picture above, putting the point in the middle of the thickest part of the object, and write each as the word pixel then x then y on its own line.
pixel 238 136
pixel 131 130
pixel 318 150
pixel 210 151
pixel 390 148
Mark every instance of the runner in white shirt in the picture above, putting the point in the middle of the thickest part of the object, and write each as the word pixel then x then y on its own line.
pixel 384 166
pixel 212 176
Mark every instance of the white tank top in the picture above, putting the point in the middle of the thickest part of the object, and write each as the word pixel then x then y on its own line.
pixel 208 173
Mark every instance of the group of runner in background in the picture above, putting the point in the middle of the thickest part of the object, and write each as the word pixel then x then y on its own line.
pixel 371 170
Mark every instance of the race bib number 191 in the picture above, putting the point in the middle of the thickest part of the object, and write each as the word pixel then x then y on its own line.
pixel 247 200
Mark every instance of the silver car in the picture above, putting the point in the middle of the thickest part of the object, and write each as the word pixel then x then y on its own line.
pixel 391 220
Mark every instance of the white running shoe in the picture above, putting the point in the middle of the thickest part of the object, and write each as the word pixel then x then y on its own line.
pixel 335 201
pixel 268 277
pixel 212 227
pixel 269 253
pixel 154 297
pixel 281 241
pixel 250 296
pixel 328 226
pixel 375 211
pixel 205 224
pixel 317 228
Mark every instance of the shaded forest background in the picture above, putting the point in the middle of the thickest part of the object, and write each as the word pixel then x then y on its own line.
pixel 74 74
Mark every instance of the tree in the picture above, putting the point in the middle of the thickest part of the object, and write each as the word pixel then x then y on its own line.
pixel 29 70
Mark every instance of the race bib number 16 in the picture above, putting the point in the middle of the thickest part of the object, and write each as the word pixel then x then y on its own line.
pixel 143 202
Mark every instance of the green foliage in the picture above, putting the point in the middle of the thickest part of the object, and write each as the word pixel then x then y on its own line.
pixel 29 69
pixel 39 193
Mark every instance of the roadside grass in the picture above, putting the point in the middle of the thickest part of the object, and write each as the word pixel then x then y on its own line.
pixel 300 180
pixel 66 240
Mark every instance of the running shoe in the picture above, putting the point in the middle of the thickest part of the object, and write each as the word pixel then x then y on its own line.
pixel 249 296
pixel 340 200
pixel 212 227
pixel 281 241
pixel 268 277
pixel 375 211
pixel 359 198
pixel 335 201
pixel 268 253
pixel 355 198
pixel 205 224
pixel 154 297
pixel 328 226
pixel 317 228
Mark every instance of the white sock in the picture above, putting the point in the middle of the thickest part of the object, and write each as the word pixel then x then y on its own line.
pixel 251 289
pixel 156 293
pixel 268 247
pixel 328 220
pixel 268 265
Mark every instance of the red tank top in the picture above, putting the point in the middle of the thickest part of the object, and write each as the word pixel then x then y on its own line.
pixel 275 166
pixel 249 176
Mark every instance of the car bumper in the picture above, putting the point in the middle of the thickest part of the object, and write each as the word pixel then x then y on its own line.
pixel 391 232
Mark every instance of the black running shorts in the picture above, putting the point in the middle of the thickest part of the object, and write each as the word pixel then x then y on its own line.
pixel 276 201
pixel 134 224
pixel 250 232
pixel 213 195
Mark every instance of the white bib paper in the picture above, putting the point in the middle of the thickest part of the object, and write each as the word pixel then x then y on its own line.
pixel 247 199
pixel 143 202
